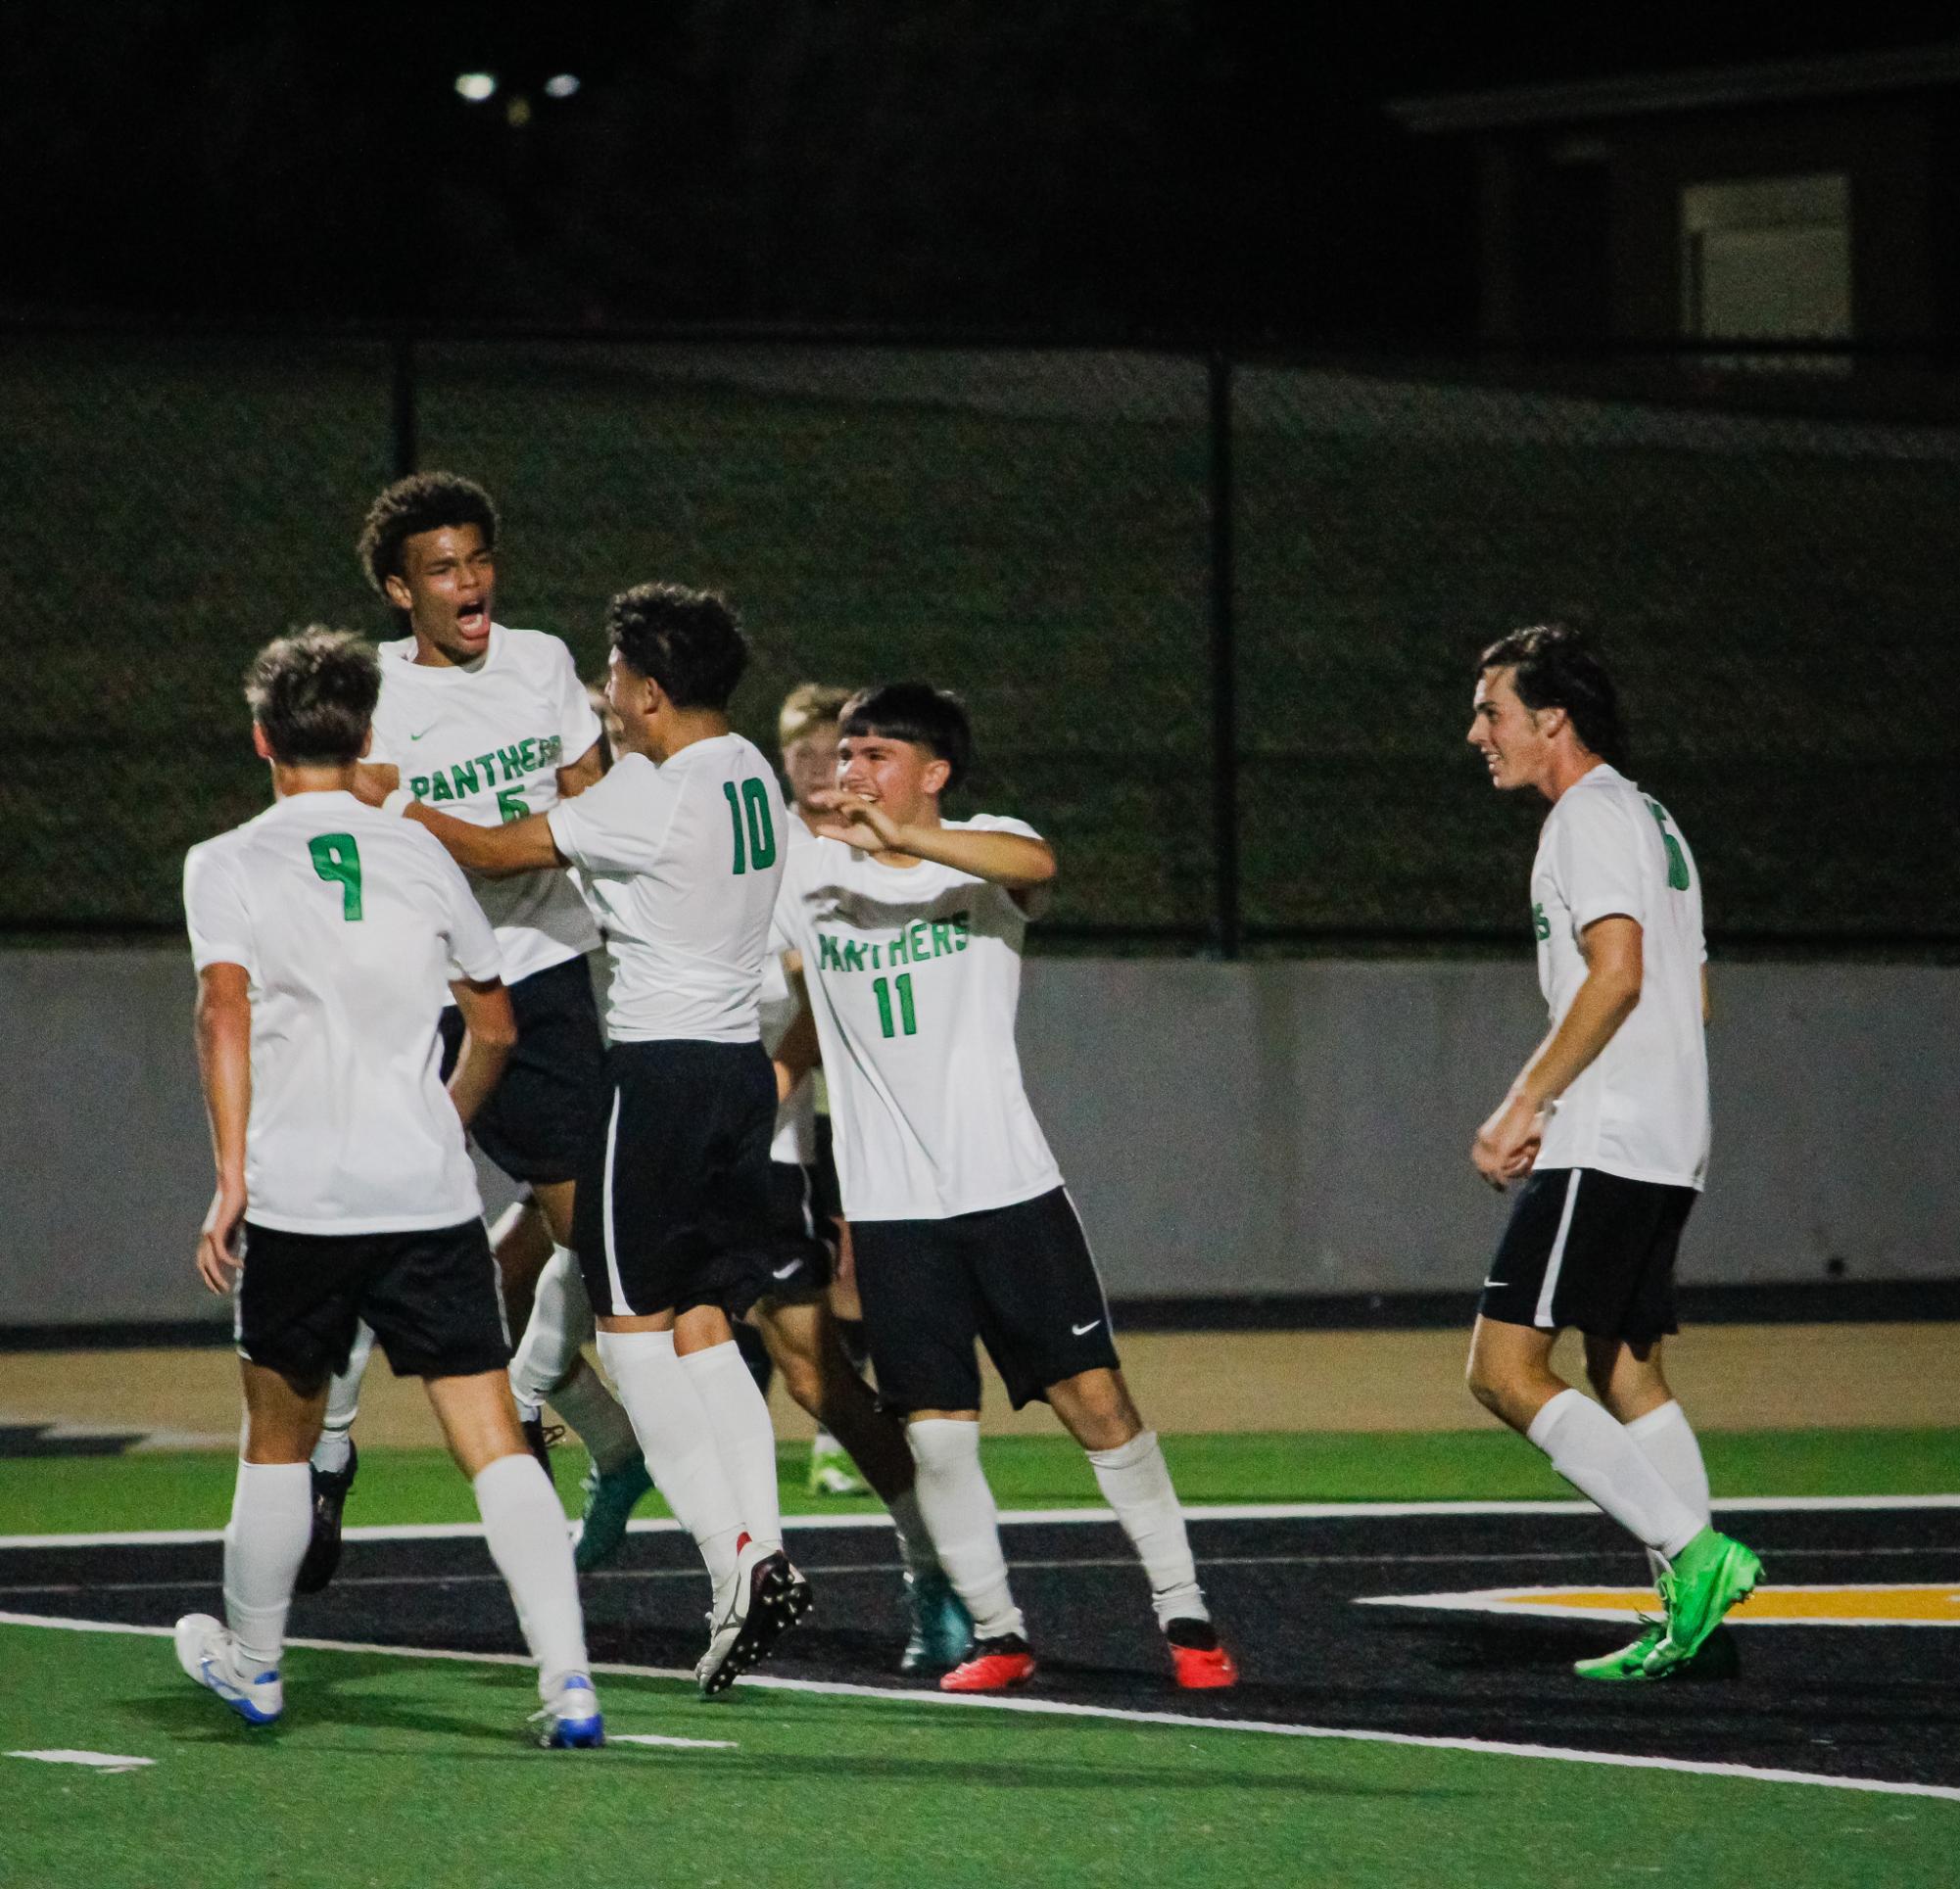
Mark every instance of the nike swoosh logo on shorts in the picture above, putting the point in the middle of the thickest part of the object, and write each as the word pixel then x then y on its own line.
pixel 1494 1282
pixel 1082 1331
pixel 783 1272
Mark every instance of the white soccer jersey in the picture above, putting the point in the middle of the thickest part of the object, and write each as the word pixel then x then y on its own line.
pixel 1641 1109
pixel 914 973
pixel 350 925
pixel 796 1119
pixel 681 862
pixel 486 744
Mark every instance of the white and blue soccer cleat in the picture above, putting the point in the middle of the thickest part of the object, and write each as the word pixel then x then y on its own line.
pixel 569 1718
pixel 208 1651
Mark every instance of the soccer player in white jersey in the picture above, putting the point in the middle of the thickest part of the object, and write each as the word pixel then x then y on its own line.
pixel 491 724
pixel 1606 1129
pixel 680 851
pixel 911 929
pixel 323 935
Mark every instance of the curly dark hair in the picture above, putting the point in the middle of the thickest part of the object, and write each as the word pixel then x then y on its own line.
pixel 314 693
pixel 934 719
pixel 688 642
pixel 425 501
pixel 1554 666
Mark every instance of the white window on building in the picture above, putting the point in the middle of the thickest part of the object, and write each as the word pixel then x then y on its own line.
pixel 1767 258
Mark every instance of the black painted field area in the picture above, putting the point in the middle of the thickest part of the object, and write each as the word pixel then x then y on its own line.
pixel 1868 1702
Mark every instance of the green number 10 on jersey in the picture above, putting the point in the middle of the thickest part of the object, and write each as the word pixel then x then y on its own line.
pixel 756 846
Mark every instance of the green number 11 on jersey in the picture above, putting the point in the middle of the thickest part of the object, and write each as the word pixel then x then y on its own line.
pixel 337 860
pixel 757 845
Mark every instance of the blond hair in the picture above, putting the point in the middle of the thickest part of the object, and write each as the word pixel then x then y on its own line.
pixel 806 706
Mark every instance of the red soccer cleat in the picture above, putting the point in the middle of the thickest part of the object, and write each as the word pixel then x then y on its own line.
pixel 1198 1662
pixel 992 1665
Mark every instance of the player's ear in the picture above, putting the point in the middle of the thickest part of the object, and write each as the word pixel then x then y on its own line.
pixel 935 775
pixel 260 745
pixel 366 744
pixel 398 592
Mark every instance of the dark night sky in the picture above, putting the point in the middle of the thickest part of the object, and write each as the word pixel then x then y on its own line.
pixel 1078 165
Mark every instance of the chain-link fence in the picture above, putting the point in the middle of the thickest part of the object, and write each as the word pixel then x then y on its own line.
pixel 1213 620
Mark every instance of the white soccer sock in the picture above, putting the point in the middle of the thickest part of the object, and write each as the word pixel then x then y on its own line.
pixel 596 1416
pixel 272 1522
pixel 331 1452
pixel 1598 1457
pixel 1666 1439
pixel 915 1538
pixel 958 1508
pixel 560 1326
pixel 745 1438
pixel 1136 1482
pixel 526 1530
pixel 672 1427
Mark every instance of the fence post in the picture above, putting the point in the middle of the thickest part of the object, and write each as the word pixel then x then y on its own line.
pixel 1225 924
pixel 405 403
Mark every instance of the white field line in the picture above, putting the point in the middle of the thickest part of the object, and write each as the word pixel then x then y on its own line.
pixel 1195 1511
pixel 1045 1708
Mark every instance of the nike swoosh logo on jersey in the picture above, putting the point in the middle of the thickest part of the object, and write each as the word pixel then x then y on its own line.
pixel 418 737
pixel 1082 1331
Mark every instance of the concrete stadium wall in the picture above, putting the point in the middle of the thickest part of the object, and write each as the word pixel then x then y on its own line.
pixel 1229 1129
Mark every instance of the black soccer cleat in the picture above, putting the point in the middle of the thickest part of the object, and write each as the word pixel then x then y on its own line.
pixel 322 1556
pixel 539 1438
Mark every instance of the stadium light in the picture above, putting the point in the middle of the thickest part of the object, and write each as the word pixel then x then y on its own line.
pixel 476 86
pixel 563 85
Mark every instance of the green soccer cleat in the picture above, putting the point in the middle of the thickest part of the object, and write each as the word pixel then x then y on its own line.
pixel 941 1628
pixel 610 1496
pixel 831 1471
pixel 1709 1575
pixel 1717 1659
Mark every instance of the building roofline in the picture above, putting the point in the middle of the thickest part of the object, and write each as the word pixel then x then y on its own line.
pixel 1773 82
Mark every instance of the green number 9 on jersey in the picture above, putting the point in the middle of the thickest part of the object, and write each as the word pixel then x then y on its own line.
pixel 337 860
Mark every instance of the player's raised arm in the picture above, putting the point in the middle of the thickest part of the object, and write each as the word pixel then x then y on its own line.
pixel 1018 860
pixel 497 852
pixel 223 1030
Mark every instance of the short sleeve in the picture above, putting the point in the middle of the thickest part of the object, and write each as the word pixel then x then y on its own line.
pixel 216 912
pixel 620 822
pixel 473 949
pixel 1599 859
pixel 578 727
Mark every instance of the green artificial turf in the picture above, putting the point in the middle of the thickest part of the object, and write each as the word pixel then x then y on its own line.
pixel 188 1489
pixel 391 1771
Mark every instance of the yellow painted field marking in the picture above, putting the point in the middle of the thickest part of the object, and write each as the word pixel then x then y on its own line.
pixel 1875 1604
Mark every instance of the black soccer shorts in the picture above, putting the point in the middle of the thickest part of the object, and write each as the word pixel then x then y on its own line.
pixel 433 1297
pixel 799 1255
pixel 539 1117
pixel 1592 1250
pixel 673 1196
pixel 1020 1278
